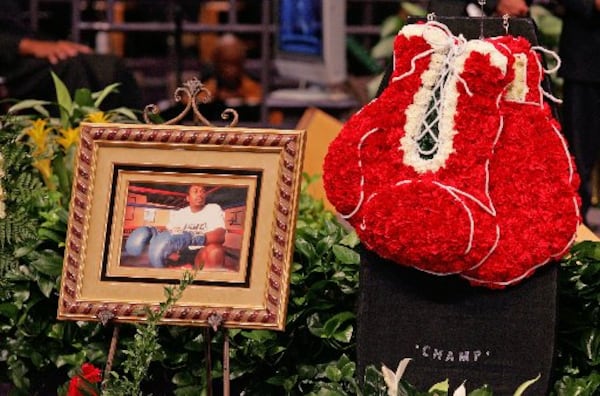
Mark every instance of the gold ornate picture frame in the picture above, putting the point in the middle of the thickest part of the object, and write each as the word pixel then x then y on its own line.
pixel 130 176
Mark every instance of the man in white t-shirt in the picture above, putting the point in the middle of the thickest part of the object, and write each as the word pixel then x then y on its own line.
pixel 195 234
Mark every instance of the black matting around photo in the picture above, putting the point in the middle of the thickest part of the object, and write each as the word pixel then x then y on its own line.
pixel 449 329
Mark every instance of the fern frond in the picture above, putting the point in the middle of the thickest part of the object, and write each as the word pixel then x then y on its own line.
pixel 7 262
pixel 17 228
pixel 16 156
pixel 20 188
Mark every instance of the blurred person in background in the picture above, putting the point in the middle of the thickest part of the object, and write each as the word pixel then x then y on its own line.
pixel 580 55
pixel 27 57
pixel 229 83
pixel 516 8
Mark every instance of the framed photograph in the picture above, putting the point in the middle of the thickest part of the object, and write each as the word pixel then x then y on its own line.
pixel 150 202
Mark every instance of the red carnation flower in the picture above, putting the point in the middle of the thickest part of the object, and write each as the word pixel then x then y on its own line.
pixel 83 383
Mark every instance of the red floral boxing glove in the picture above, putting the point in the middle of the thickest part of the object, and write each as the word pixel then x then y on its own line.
pixel 423 174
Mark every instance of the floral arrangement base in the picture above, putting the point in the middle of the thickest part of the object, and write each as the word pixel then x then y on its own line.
pixel 454 331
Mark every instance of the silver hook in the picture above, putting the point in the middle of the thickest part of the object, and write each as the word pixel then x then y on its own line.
pixel 505 23
pixel 431 17
pixel 481 4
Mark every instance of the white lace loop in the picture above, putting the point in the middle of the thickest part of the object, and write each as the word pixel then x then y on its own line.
pixel 550 71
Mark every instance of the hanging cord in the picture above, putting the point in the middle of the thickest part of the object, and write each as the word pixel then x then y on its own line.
pixel 549 71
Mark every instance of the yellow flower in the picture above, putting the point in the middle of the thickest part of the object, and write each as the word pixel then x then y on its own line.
pixel 38 133
pixel 45 168
pixel 97 116
pixel 68 137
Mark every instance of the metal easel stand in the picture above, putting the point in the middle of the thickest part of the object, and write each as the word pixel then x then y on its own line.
pixel 106 317
pixel 216 321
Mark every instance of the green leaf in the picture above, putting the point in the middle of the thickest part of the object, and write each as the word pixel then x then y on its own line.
pixel 351 240
pixel 62 171
pixel 83 97
pixel 483 391
pixel 259 335
pixel 346 255
pixel 48 265
pixel 24 250
pixel 56 331
pixel 587 249
pixel 591 340
pixel 347 367
pixel 325 244
pixel 443 386
pixel 183 378
pixel 373 382
pixel 46 286
pixel 125 112
pixel 190 391
pixel 307 371
pixel 30 104
pixel 49 235
pixel 305 248
pixel 526 384
pixel 20 297
pixel 578 386
pixel 37 359
pixel 18 375
pixel 413 9
pixel 101 95
pixel 9 310
pixel 64 100
pixel 336 327
pixel 74 359
pixel 333 373
pixel 383 49
pixel 390 26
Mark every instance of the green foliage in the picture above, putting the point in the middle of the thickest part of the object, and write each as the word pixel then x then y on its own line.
pixel 19 227
pixel 32 239
pixel 578 359
pixel 145 347
pixel 315 355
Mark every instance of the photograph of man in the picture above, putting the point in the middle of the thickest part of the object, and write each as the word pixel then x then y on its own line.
pixel 194 235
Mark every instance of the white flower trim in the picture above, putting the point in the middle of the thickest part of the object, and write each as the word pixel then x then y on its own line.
pixel 362 176
pixel 518 89
pixel 415 113
pixel 436 34
pixel 540 93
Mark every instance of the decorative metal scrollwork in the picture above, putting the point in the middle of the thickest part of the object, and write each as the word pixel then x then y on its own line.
pixel 105 316
pixel 189 94
pixel 215 321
